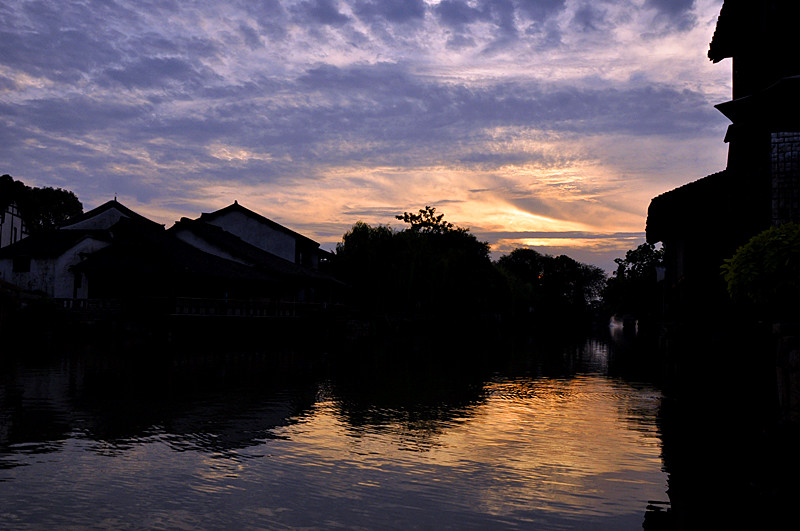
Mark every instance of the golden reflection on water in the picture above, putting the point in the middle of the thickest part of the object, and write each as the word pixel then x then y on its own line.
pixel 585 446
pixel 501 451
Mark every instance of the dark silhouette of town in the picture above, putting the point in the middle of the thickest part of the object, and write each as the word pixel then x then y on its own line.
pixel 713 307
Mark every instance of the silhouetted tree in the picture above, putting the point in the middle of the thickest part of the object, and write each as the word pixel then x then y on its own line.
pixel 432 268
pixel 427 222
pixel 10 190
pixel 42 209
pixel 441 272
pixel 633 287
pixel 550 289
pixel 367 260
pixel 447 267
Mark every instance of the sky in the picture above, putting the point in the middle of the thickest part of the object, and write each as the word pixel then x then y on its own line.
pixel 547 124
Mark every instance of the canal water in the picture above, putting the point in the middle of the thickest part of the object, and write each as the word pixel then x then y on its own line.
pixel 546 439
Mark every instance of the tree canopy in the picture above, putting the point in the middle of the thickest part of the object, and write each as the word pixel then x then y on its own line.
pixel 427 222
pixel 437 269
pixel 633 287
pixel 765 272
pixel 41 209
pixel 551 288
pixel 432 267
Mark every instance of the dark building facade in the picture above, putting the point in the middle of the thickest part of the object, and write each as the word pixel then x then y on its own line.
pixel 702 223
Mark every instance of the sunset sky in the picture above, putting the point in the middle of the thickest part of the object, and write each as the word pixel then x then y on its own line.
pixel 542 123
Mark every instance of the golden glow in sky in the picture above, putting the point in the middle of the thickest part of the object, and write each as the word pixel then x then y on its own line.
pixel 509 117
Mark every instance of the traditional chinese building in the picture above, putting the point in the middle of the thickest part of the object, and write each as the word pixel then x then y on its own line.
pixel 703 222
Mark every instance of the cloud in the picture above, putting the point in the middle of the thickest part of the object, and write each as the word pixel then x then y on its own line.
pixel 325 12
pixel 269 15
pixel 457 14
pixel 590 18
pixel 524 114
pixel 150 72
pixel 394 11
pixel 7 84
pixel 251 36
pixel 678 14
pixel 540 10
pixel 62 56
pixel 75 114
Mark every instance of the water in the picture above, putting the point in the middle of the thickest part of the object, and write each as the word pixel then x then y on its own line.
pixel 233 443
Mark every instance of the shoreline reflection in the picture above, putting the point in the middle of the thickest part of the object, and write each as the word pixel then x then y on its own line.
pixel 532 440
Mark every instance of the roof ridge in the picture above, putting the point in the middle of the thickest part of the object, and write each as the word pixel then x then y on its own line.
pixel 237 207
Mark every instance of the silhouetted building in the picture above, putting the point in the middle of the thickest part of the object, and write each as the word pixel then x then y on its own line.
pixel 106 216
pixel 240 235
pixel 261 233
pixel 702 223
pixel 113 253
pixel 45 262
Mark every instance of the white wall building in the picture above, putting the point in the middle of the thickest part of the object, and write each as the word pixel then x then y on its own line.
pixel 265 234
pixel 43 263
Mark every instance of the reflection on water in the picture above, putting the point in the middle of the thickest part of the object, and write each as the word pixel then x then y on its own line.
pixel 232 444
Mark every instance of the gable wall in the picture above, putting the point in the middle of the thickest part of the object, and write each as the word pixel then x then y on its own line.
pixel 51 275
pixel 39 278
pixel 258 234
pixel 64 279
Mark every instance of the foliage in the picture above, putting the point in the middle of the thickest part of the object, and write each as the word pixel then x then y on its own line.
pixel 366 260
pixel 427 222
pixel 431 268
pixel 438 270
pixel 633 287
pixel 547 288
pixel 766 270
pixel 42 209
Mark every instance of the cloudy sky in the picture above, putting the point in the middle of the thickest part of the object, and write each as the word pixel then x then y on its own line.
pixel 543 123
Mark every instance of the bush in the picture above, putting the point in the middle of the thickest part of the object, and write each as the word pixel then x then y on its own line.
pixel 765 272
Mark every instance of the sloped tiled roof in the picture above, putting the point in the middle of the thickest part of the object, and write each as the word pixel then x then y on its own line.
pixel 728 26
pixel 236 207
pixel 239 248
pixel 676 208
pixel 748 25
pixel 776 104
pixel 50 244
pixel 166 255
pixel 113 204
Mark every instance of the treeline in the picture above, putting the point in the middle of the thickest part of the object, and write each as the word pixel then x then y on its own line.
pixel 41 209
pixel 439 272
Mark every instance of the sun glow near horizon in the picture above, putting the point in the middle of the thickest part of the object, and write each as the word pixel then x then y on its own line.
pixel 507 117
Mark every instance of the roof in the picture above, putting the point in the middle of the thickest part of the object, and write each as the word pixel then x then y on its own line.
pixel 50 244
pixel 727 206
pixel 729 22
pixel 748 25
pixel 113 204
pixel 236 207
pixel 162 253
pixel 235 246
pixel 165 254
pixel 776 105
pixel 676 209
